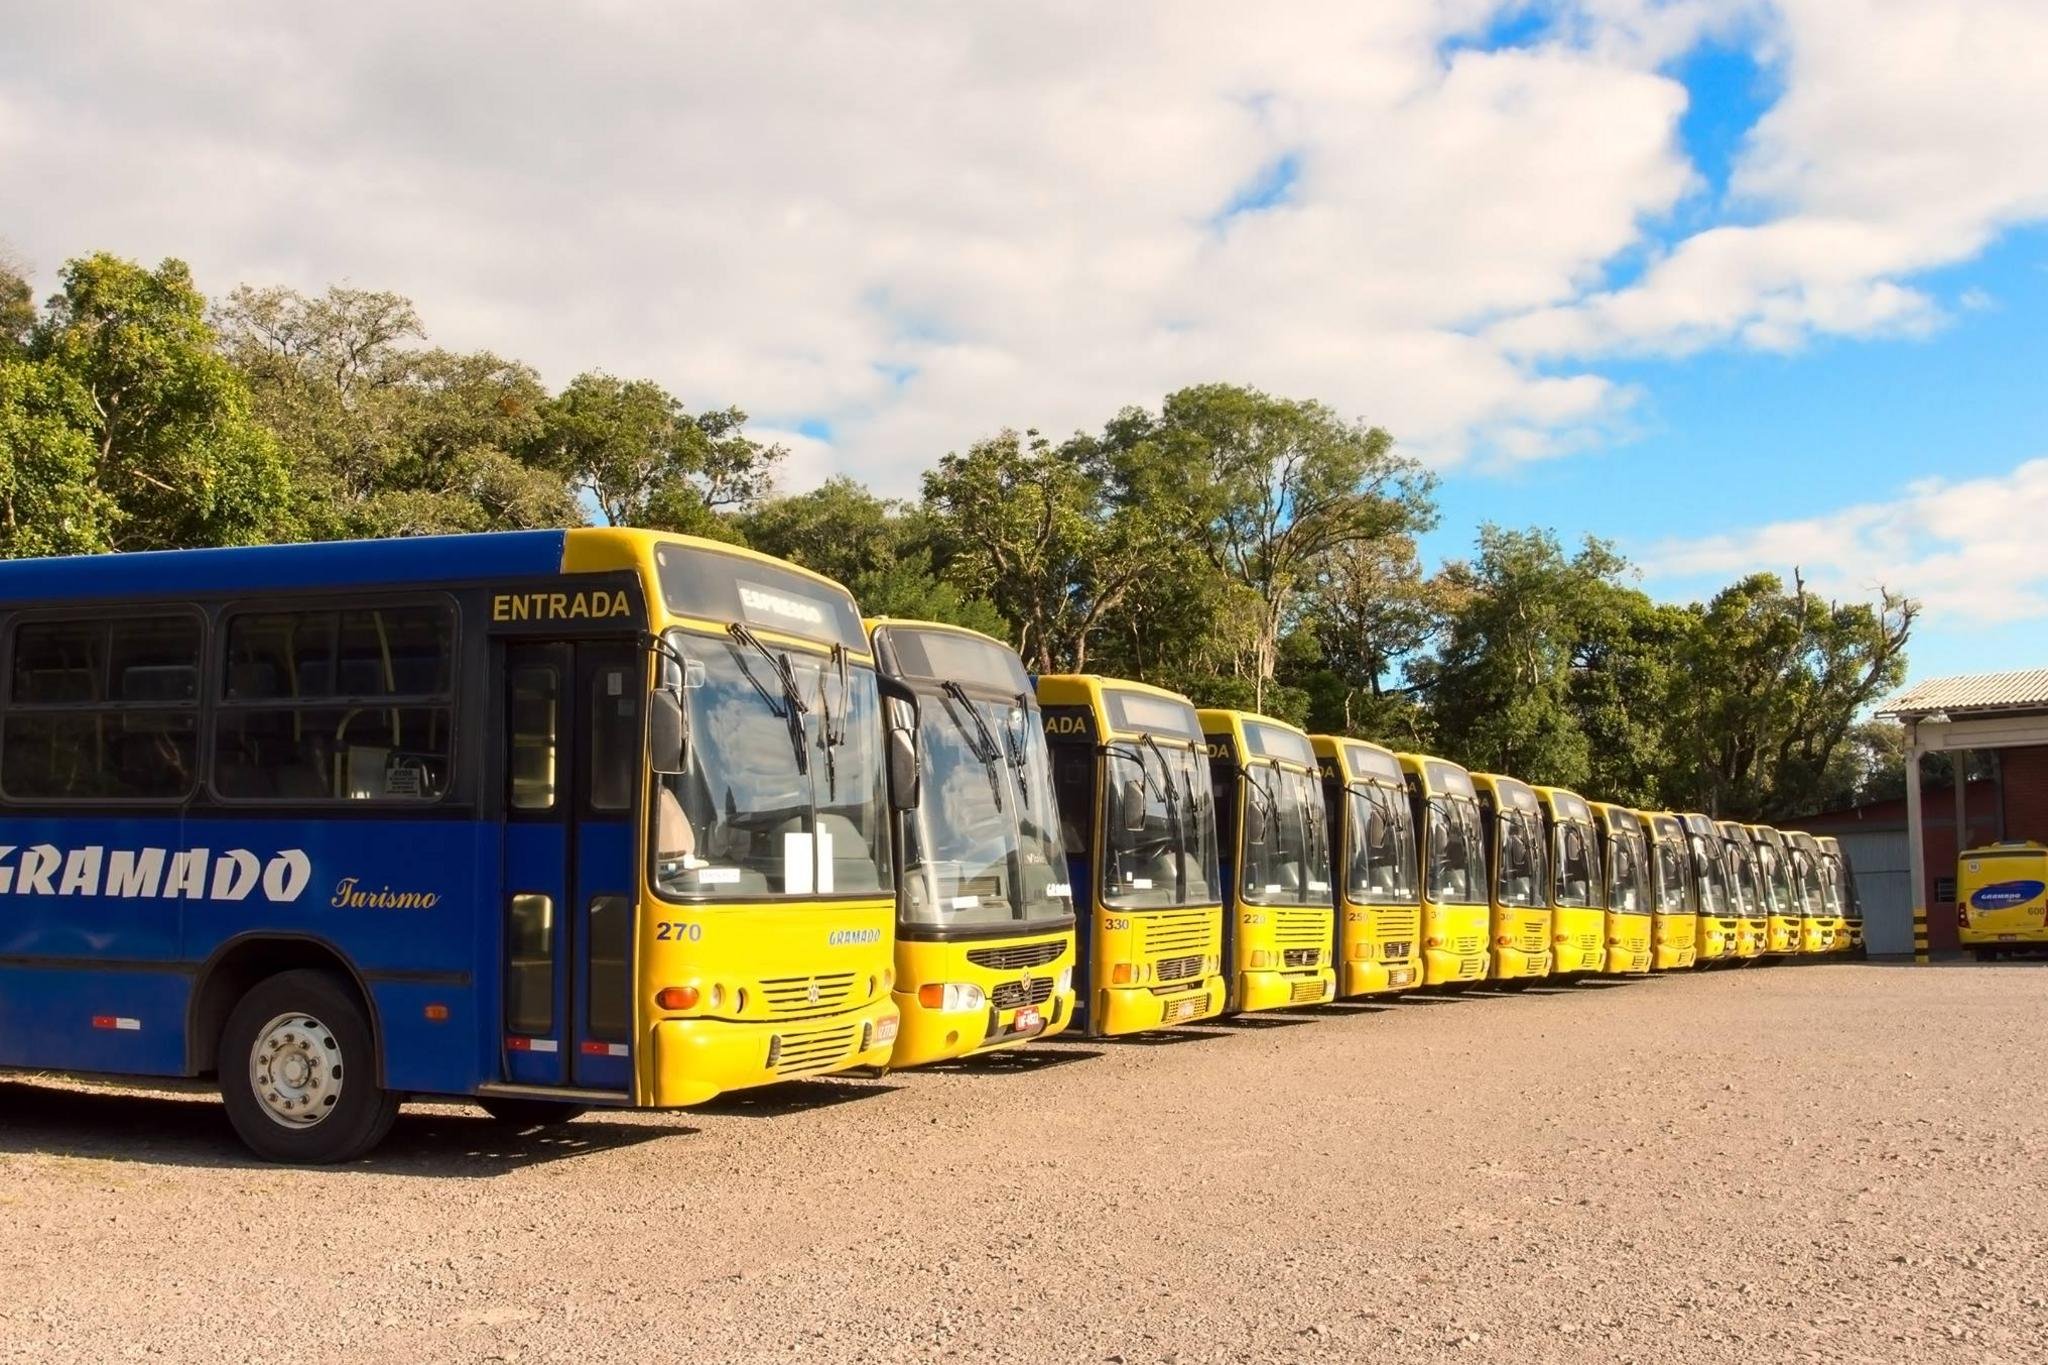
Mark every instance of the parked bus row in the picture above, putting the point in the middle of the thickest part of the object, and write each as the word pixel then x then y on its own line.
pixel 555 820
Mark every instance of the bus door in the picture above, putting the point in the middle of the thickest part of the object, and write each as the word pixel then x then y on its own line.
pixel 570 739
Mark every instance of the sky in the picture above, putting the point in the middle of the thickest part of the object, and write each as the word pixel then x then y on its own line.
pixel 1738 285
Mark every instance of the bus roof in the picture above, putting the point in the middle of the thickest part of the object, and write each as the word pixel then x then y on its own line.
pixel 1617 817
pixel 1359 760
pixel 1508 791
pixel 1439 774
pixel 1255 736
pixel 1565 804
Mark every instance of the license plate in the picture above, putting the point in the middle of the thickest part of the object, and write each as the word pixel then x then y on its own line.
pixel 1028 1020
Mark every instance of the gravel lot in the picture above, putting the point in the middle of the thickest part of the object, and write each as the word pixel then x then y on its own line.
pixel 1824 1161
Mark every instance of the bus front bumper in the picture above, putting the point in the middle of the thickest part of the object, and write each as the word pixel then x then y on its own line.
pixel 696 1060
pixel 1377 978
pixel 928 1035
pixel 1514 964
pixel 1440 967
pixel 1139 1009
pixel 1278 990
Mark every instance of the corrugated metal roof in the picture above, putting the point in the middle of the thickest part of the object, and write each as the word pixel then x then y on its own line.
pixel 2025 690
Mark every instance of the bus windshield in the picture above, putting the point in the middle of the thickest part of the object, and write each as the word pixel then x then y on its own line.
pixel 1711 872
pixel 1287 863
pixel 1831 887
pixel 1675 894
pixel 1742 880
pixel 1777 883
pixel 1628 875
pixel 1169 859
pixel 1457 853
pixel 1382 863
pixel 983 846
pixel 1578 871
pixel 1519 877
pixel 785 791
pixel 1809 883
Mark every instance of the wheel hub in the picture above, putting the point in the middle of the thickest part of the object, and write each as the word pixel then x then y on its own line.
pixel 295 1070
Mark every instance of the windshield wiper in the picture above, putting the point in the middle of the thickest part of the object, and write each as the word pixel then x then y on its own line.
pixel 835 726
pixel 793 708
pixel 1173 816
pixel 980 739
pixel 1013 747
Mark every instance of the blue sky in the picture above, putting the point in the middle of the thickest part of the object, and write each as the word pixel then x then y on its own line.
pixel 1737 284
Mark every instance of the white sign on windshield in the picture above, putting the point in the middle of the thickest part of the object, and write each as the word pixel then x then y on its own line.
pixel 807 864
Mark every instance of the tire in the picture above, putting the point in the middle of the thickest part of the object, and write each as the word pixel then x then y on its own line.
pixel 524 1113
pixel 298 1071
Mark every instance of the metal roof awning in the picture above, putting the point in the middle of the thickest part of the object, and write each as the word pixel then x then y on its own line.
pixel 2023 690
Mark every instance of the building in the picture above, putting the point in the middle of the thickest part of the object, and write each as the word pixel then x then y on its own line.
pixel 1904 852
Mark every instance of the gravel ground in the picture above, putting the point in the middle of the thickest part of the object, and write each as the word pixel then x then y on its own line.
pixel 1823 1161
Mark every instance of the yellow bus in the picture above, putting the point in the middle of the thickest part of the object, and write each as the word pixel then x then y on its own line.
pixel 1516 880
pixel 1785 923
pixel 1837 865
pixel 1675 908
pixel 1825 930
pixel 1452 844
pixel 1578 892
pixel 1274 836
pixel 1373 861
pixel 1139 821
pixel 984 909
pixel 1708 855
pixel 1746 891
pixel 1625 853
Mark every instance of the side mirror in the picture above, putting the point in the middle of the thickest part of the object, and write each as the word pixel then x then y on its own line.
pixel 904 780
pixel 1132 800
pixel 666 746
pixel 1254 823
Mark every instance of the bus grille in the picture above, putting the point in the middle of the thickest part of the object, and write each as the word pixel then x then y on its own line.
pixel 1022 957
pixel 1392 921
pixel 1301 926
pixel 804 1054
pixel 1466 944
pixel 1179 968
pixel 1533 938
pixel 805 994
pixel 1588 945
pixel 1309 992
pixel 1471 968
pixel 1301 957
pixel 1011 994
pixel 1189 932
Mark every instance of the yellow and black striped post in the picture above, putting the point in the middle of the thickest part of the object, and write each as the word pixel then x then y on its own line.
pixel 1920 933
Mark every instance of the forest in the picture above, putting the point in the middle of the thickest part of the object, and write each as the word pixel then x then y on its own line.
pixel 1246 549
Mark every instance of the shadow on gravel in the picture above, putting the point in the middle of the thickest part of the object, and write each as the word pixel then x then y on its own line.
pixel 1265 1019
pixel 792 1097
pixel 1166 1037
pixel 1042 1055
pixel 193 1131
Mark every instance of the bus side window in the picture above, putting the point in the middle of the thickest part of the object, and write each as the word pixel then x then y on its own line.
pixel 103 709
pixel 1073 779
pixel 614 738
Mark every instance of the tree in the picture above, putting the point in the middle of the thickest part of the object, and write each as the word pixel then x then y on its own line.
pixel 645 461
pixel 1500 690
pixel 1266 487
pixel 1369 609
pixel 51 502
pixel 177 458
pixel 17 310
pixel 1029 526
pixel 389 438
pixel 882 550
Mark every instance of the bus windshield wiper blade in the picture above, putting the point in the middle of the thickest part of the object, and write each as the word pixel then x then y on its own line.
pixel 793 708
pixel 979 738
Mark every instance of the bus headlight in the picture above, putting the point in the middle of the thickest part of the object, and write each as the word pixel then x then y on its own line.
pixel 953 997
pixel 1064 982
pixel 1212 966
pixel 1261 958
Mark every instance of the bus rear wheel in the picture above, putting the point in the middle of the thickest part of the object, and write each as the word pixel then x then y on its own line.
pixel 523 1113
pixel 298 1072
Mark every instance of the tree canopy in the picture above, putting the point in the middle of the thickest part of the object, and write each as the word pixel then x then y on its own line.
pixel 1248 549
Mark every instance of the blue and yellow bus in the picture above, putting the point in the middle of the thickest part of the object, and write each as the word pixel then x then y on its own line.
pixel 545 819
pixel 985 913
pixel 1138 817
pixel 1280 913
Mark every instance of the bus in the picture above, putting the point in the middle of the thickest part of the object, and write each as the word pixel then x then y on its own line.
pixel 1824 928
pixel 538 819
pixel 1748 894
pixel 1785 913
pixel 1675 908
pixel 1578 891
pixel 1372 848
pixel 984 909
pixel 1625 853
pixel 1845 883
pixel 1138 820
pixel 1452 844
pixel 1711 888
pixel 1280 914
pixel 1517 879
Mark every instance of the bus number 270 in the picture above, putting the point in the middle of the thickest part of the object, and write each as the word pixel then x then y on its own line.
pixel 677 931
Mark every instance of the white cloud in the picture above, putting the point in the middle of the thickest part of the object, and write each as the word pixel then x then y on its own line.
pixel 1969 550
pixel 918 222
